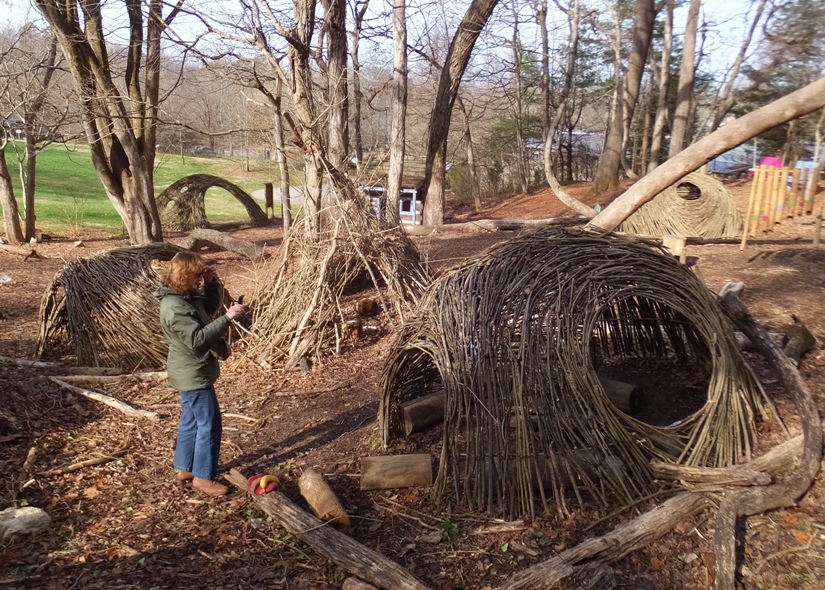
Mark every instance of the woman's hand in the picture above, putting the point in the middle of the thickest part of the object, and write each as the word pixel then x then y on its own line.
pixel 209 273
pixel 235 311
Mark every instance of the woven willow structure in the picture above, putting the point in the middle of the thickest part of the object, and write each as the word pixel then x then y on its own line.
pixel 697 206
pixel 104 304
pixel 515 339
pixel 299 309
pixel 182 206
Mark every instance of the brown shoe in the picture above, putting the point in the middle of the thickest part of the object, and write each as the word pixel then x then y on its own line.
pixel 184 475
pixel 209 487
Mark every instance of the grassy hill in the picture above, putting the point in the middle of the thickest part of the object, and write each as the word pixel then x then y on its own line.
pixel 70 199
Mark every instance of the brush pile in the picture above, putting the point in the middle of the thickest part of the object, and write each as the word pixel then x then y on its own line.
pixel 697 206
pixel 518 339
pixel 299 310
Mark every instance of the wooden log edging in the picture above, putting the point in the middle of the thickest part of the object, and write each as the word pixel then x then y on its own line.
pixel 337 547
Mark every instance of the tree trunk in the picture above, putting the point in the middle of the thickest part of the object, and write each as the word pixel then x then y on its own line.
pixel 471 157
pixel 29 180
pixel 398 133
pixel 521 152
pixel 607 173
pixel 661 101
pixel 357 95
pixel 684 96
pixel 280 149
pixel 552 125
pixel 119 127
pixel 458 56
pixel 338 96
pixel 792 106
pixel 11 214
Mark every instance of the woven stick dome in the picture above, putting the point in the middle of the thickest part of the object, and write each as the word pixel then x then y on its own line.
pixel 696 206
pixel 182 205
pixel 517 339
pixel 104 304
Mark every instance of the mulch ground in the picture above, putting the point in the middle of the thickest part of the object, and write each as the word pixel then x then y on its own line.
pixel 127 523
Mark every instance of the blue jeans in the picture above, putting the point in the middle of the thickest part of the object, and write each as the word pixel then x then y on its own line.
pixel 199 433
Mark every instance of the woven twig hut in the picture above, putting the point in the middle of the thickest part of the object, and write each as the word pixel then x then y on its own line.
pixel 104 304
pixel 182 205
pixel 696 206
pixel 518 339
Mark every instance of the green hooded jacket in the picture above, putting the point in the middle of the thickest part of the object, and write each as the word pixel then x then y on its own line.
pixel 195 342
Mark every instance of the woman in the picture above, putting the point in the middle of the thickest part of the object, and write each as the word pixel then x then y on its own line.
pixel 195 345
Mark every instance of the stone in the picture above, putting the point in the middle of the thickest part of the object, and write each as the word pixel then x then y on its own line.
pixel 20 522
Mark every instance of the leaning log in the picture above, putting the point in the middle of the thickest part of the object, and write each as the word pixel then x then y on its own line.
pixel 396 471
pixel 337 547
pixel 201 237
pixel 755 500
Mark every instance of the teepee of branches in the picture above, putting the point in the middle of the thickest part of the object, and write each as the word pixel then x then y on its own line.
pixel 298 305
pixel 516 339
pixel 104 305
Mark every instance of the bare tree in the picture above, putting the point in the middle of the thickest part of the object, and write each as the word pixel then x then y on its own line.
pixel 337 93
pixel 27 68
pixel 458 56
pixel 684 97
pixel 627 93
pixel 119 120
pixel 398 134
pixel 359 11
pixel 662 74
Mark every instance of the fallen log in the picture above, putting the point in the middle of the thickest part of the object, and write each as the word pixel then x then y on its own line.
pixel 396 471
pixel 60 366
pixel 337 547
pixel 26 253
pixel 727 476
pixel 104 379
pixel 624 539
pixel 107 400
pixel 491 225
pixel 755 500
pixel 201 237
pixel 323 501
pixel 87 463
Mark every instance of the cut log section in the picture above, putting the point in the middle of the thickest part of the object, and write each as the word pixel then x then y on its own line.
pixel 322 499
pixel 396 471
pixel 625 396
pixel 423 412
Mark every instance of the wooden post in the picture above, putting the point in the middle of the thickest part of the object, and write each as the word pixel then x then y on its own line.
pixel 764 216
pixel 676 245
pixel 270 200
pixel 753 211
pixel 817 231
pixel 396 471
pixel 751 199
pixel 779 198
pixel 800 200
pixel 791 212
pixel 811 187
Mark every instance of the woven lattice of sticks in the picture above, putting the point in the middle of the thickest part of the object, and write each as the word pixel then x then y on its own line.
pixel 104 305
pixel 696 206
pixel 299 310
pixel 182 205
pixel 517 339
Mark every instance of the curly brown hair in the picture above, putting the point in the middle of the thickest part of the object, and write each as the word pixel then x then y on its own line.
pixel 182 266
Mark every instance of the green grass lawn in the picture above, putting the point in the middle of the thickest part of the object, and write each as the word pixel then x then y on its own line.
pixel 70 199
